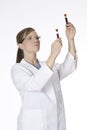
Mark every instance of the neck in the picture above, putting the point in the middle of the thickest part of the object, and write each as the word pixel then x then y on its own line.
pixel 31 58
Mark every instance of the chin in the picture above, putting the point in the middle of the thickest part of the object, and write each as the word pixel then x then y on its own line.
pixel 37 49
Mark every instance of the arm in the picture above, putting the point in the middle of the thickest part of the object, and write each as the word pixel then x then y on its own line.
pixel 70 62
pixel 70 34
pixel 57 45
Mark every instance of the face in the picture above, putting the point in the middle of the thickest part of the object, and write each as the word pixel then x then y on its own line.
pixel 31 43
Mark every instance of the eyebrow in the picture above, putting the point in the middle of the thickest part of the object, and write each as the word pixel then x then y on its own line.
pixel 32 36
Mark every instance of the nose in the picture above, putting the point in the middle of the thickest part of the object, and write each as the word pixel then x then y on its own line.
pixel 35 39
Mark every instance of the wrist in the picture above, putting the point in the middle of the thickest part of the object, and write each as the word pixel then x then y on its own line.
pixel 70 39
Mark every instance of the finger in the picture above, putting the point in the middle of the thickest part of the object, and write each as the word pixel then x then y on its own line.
pixel 59 48
pixel 70 26
pixel 59 40
pixel 60 43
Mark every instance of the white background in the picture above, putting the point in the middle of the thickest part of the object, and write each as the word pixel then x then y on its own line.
pixel 45 16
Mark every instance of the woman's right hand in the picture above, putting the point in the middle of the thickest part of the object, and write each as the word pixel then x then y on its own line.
pixel 55 50
pixel 56 47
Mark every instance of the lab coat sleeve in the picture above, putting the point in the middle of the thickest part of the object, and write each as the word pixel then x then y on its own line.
pixel 24 80
pixel 67 67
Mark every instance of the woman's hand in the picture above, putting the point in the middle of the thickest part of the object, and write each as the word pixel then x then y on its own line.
pixel 56 47
pixel 70 31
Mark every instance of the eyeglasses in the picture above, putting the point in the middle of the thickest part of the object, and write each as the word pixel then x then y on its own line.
pixel 30 38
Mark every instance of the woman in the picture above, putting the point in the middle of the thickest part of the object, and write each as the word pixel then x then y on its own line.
pixel 39 82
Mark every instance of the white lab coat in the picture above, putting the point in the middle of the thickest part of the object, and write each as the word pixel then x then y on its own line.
pixel 42 103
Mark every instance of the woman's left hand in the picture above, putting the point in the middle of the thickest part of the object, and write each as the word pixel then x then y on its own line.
pixel 70 31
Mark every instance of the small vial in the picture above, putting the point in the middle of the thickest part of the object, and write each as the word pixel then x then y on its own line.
pixel 66 19
pixel 57 33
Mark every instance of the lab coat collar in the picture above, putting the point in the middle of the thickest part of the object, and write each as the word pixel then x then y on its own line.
pixel 30 66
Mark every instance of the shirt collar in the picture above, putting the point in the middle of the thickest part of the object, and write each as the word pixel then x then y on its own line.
pixel 31 65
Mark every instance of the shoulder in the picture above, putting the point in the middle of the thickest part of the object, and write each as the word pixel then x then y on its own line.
pixel 16 65
pixel 19 68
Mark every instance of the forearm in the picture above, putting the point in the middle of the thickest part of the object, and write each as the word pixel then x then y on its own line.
pixel 55 50
pixel 50 61
pixel 71 47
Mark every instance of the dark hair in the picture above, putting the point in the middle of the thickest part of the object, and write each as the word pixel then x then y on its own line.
pixel 19 38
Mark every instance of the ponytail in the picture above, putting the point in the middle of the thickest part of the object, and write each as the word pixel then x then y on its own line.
pixel 20 55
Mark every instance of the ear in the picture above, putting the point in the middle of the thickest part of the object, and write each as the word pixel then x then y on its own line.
pixel 20 46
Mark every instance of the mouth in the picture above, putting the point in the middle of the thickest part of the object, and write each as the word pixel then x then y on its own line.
pixel 37 44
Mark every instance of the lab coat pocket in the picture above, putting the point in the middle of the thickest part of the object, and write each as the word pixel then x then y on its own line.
pixel 33 120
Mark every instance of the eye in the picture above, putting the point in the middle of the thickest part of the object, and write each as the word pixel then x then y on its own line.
pixel 29 38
